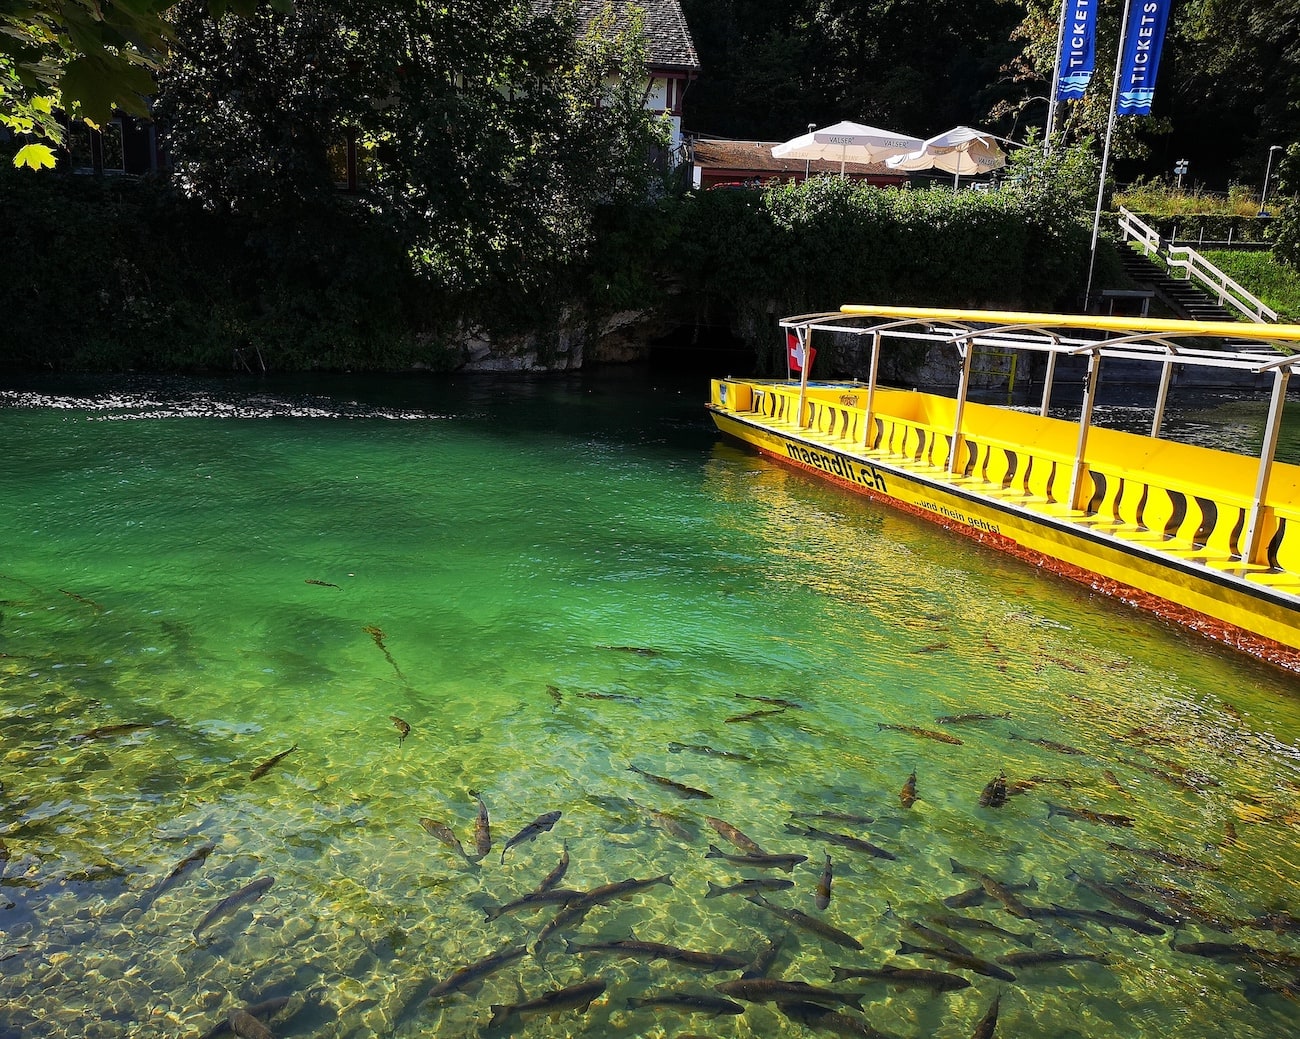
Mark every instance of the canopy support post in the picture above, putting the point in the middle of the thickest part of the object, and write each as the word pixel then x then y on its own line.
pixel 1266 453
pixel 1166 374
pixel 1047 384
pixel 1085 423
pixel 804 334
pixel 965 348
pixel 871 389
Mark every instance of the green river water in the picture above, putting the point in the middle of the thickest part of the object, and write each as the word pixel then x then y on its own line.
pixel 552 581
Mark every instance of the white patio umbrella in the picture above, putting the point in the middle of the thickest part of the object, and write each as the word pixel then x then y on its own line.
pixel 848 142
pixel 963 151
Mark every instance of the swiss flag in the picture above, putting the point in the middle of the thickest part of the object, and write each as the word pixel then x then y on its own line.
pixel 795 351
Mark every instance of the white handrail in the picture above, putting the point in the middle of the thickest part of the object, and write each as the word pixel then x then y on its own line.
pixel 1194 265
pixel 1136 230
pixel 1228 291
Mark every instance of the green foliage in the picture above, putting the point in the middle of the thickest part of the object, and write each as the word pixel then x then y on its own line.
pixel 86 58
pixel 1286 227
pixel 1160 198
pixel 811 247
pixel 1276 283
pixel 126 273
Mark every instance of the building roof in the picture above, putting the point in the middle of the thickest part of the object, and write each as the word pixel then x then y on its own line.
pixel 667 34
pixel 756 157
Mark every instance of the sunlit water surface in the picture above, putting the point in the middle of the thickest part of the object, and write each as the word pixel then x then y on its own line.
pixel 550 582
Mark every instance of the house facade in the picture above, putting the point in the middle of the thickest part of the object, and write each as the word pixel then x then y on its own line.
pixel 672 62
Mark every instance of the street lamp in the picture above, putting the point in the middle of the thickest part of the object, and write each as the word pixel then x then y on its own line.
pixel 807 163
pixel 1268 169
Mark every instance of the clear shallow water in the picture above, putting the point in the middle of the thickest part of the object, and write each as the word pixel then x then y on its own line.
pixel 551 581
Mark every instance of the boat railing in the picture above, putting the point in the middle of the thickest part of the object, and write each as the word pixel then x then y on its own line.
pixel 1247 526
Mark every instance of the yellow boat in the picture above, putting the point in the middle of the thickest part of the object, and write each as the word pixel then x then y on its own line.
pixel 1205 537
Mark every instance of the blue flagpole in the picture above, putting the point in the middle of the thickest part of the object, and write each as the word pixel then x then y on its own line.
pixel 1105 153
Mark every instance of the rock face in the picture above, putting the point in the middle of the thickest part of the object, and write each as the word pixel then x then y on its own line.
pixel 575 340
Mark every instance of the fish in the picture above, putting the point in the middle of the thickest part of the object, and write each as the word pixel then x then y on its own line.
pixel 1041 957
pixel 995 792
pixel 933 647
pixel 929 734
pixel 557 874
pixel 670 824
pixel 320 584
pixel 1279 922
pixel 482 828
pixel 561 896
pixel 939 938
pixel 732 834
pixel 1089 816
pixel 962 719
pixel 994 888
pixel 403 729
pixel 443 832
pixel 640 651
pixel 260 1012
pixel 104 731
pixel 1169 858
pixel 698 748
pixel 822 896
pixel 577 909
pixel 1238 951
pixel 970 923
pixel 814 1015
pixel 540 825
pixel 633 946
pixel 979 966
pixel 1100 916
pixel 379 639
pixel 809 923
pixel 1120 898
pixel 754 715
pixel 903 977
pixel 844 840
pixel 189 862
pixel 766 861
pixel 977 895
pixel 575 997
pixel 1060 748
pixel 775 701
pixel 836 817
pixel 907 795
pixel 680 788
pixel 762 963
pixel 470 974
pixel 748 887
pixel 555 694
pixel 270 763
pixel 620 697
pixel 777 990
pixel 989 1022
pixel 691 1002
pixel 250 892
pixel 246 1026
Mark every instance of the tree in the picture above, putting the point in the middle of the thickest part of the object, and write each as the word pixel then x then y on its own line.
pixel 82 58
pixel 492 134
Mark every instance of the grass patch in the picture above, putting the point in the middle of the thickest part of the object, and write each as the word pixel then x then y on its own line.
pixel 1274 282
pixel 1155 198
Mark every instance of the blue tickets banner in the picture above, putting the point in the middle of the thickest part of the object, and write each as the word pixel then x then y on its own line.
pixel 1078 49
pixel 1143 39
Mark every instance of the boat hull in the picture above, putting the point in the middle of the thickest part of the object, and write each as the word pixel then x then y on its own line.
pixel 1143 572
